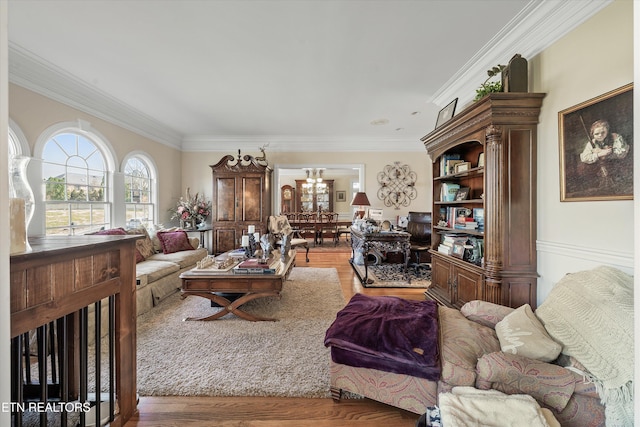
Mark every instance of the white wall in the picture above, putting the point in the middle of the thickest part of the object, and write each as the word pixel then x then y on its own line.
pixel 5 319
pixel 595 58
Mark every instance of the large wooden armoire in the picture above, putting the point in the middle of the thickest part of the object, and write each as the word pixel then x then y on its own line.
pixel 494 140
pixel 241 197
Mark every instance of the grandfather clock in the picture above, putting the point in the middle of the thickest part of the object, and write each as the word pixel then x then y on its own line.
pixel 241 197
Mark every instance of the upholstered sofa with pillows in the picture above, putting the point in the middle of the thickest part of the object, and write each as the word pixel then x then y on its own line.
pixel 160 259
pixel 572 355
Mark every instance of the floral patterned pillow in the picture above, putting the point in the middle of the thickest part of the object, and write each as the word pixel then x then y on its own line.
pixel 174 241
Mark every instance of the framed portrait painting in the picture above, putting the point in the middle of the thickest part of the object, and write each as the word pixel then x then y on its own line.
pixel 341 196
pixel 596 144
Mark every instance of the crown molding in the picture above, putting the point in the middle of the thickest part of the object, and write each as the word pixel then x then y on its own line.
pixel 204 143
pixel 42 77
pixel 541 23
pixel 535 28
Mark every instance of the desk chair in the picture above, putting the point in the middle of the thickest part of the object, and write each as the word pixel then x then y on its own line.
pixel 279 226
pixel 419 226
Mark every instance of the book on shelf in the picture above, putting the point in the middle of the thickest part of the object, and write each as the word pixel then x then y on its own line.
pixel 451 239
pixel 478 216
pixel 451 165
pixel 444 249
pixel 448 191
pixel 444 165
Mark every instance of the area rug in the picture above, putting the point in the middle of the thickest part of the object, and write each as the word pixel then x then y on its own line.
pixel 389 275
pixel 235 357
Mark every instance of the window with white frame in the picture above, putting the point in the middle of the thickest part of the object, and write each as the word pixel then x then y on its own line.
pixel 138 198
pixel 75 182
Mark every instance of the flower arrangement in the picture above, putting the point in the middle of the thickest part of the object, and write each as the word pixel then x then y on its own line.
pixel 195 209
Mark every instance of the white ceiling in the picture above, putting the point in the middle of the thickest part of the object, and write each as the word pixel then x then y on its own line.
pixel 299 75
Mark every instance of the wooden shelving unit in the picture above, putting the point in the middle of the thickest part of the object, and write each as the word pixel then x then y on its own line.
pixel 503 126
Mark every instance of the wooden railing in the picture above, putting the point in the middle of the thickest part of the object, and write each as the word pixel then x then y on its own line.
pixel 53 289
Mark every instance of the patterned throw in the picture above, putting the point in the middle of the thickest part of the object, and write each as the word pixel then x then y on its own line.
pixel 591 314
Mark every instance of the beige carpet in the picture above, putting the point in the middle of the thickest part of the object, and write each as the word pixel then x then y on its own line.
pixel 234 357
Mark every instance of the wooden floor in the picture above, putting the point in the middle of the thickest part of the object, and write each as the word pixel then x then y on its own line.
pixel 282 412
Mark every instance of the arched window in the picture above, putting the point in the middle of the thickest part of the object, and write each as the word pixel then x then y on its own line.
pixel 18 145
pixel 139 198
pixel 75 179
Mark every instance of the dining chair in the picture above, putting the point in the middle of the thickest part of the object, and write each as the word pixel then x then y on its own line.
pixel 307 221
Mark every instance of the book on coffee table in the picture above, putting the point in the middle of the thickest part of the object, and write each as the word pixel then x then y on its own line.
pixel 257 266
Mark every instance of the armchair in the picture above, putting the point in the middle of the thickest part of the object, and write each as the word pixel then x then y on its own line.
pixel 279 227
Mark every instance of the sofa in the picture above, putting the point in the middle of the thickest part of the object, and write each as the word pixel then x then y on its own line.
pixel 573 353
pixel 160 259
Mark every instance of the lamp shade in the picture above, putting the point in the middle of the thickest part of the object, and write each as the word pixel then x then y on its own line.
pixel 360 199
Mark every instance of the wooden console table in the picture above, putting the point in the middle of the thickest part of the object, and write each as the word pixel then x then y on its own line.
pixel 62 276
pixel 383 241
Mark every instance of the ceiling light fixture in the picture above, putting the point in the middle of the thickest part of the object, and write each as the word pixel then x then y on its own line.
pixel 378 122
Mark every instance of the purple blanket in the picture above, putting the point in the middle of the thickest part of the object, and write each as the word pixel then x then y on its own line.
pixel 387 333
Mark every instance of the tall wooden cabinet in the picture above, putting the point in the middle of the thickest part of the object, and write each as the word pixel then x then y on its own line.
pixel 502 126
pixel 311 200
pixel 241 197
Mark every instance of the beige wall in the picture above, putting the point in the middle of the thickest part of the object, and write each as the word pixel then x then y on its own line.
pixel 35 113
pixel 196 172
pixel 595 58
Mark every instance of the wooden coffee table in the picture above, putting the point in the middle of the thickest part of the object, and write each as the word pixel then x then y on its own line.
pixel 216 286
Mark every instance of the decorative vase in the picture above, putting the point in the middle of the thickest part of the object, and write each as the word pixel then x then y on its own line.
pixel 22 203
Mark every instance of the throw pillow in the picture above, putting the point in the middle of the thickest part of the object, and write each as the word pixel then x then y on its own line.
pixel 484 312
pixel 462 343
pixel 111 232
pixel 174 241
pixel 120 232
pixel 549 384
pixel 522 333
pixel 144 245
pixel 157 247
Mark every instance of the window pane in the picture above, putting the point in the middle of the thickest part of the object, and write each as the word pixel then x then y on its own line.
pixel 96 194
pixel 74 169
pixel 98 214
pixel 145 196
pixel 80 214
pixel 57 217
pixel 54 189
pixel 50 170
pixel 138 187
pixel 76 175
pixel 76 192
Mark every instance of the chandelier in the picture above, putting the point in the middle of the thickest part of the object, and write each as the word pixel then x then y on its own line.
pixel 314 181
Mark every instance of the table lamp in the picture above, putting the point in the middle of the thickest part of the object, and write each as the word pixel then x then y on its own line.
pixel 360 199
